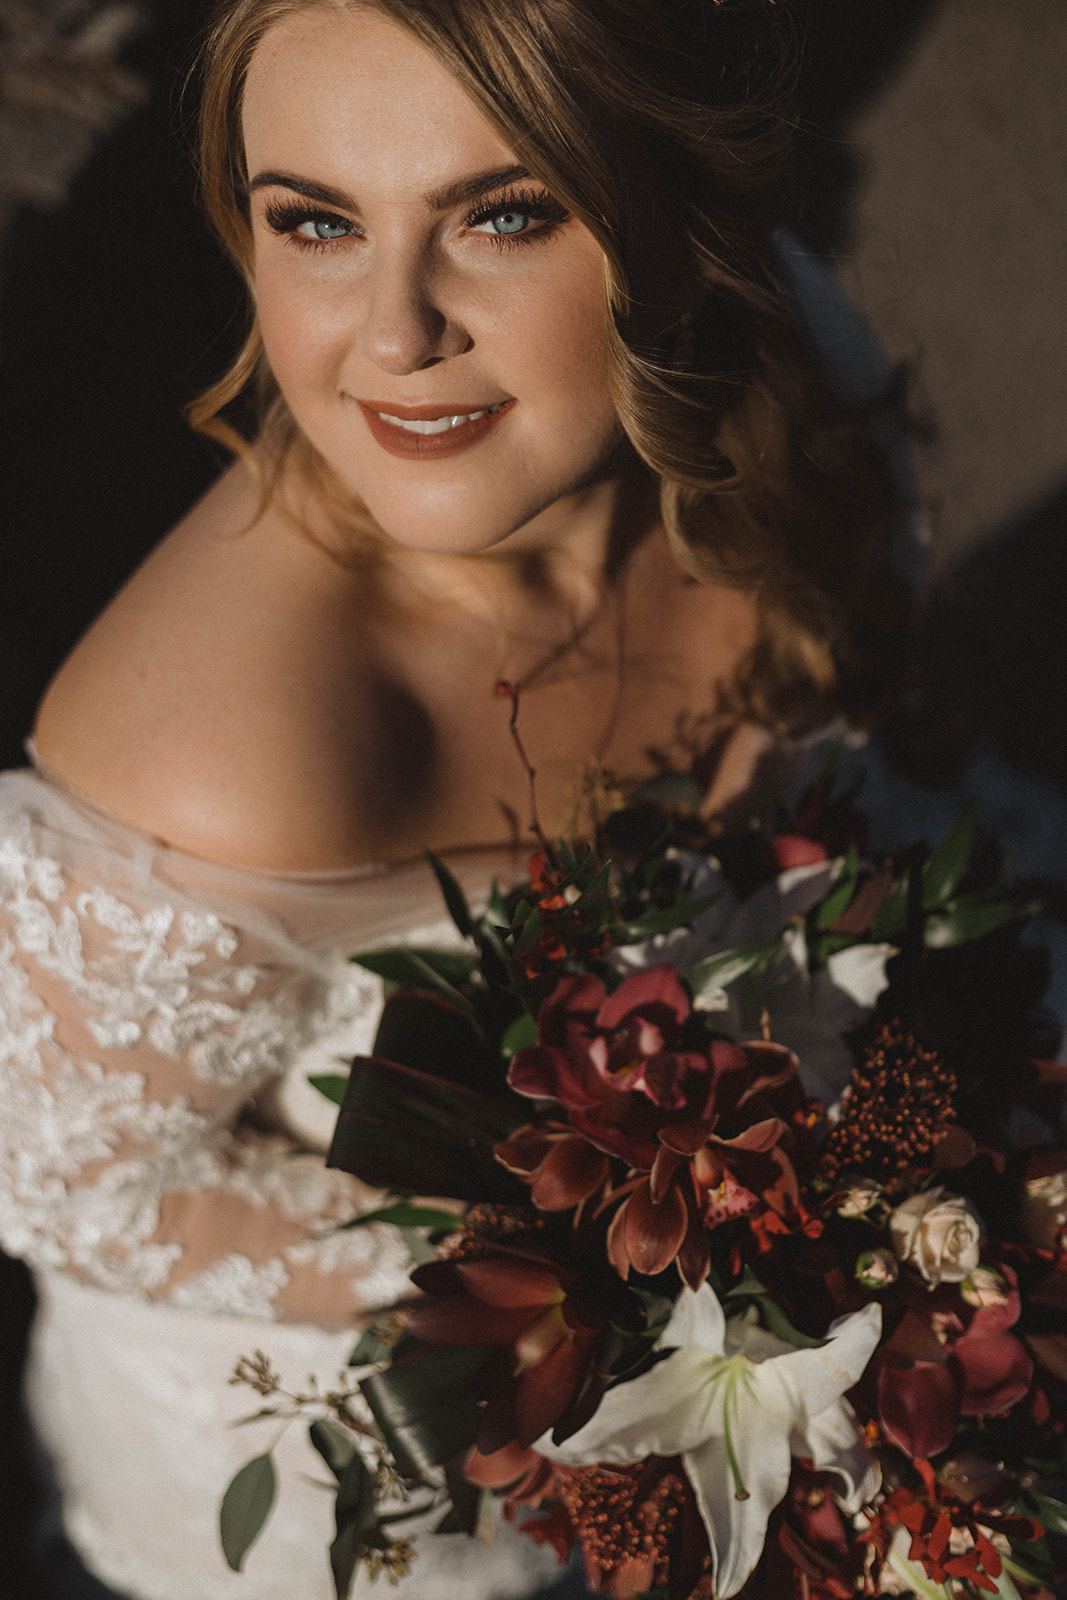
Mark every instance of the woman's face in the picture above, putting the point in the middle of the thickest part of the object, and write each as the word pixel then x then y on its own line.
pixel 408 273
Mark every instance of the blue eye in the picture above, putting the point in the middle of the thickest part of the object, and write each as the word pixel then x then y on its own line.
pixel 323 228
pixel 510 222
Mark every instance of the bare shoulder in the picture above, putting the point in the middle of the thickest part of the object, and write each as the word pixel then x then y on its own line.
pixel 204 704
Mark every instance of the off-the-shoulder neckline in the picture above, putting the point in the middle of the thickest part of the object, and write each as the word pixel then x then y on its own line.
pixel 327 876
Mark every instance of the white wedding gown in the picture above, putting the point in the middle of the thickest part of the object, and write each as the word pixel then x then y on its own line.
pixel 146 1000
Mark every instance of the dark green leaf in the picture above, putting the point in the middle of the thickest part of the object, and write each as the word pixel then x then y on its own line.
pixel 335 1445
pixel 430 1034
pixel 780 1324
pixel 567 856
pixel 663 919
pixel 464 1512
pixel 405 1215
pixel 948 862
pixel 425 1407
pixel 520 1035
pixel 966 920
pixel 529 934
pixel 355 1517
pixel 455 899
pixel 892 915
pixel 246 1505
pixel 331 1084
pixel 1034 1558
pixel 844 888
pixel 410 970
pixel 399 1128
pixel 396 966
pixel 1051 1514
pixel 719 971
pixel 597 892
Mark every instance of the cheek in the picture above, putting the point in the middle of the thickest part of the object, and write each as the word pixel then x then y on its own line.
pixel 305 326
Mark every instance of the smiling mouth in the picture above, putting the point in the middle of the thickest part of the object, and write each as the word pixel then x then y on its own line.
pixel 430 425
pixel 429 433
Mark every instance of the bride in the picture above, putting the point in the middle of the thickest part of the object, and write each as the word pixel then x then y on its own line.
pixel 546 400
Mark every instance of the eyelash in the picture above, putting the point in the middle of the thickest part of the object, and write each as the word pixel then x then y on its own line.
pixel 285 217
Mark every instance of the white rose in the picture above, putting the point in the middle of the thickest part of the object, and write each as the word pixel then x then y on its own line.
pixel 939 1233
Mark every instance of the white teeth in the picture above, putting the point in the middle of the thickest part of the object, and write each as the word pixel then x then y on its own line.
pixel 438 424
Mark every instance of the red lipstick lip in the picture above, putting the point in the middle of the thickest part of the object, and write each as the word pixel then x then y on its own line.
pixel 428 446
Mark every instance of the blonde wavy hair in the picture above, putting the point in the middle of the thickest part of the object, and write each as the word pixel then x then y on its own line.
pixel 665 126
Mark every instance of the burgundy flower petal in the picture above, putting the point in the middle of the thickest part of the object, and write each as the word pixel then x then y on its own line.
pixel 615 1243
pixel 793 850
pixel 462 1320
pixel 524 1152
pixel 694 1257
pixel 543 1392
pixel 571 1172
pixel 569 1013
pixel 508 1282
pixel 654 1233
pixel 654 991
pixel 664 1167
pixel 919 1407
pixel 997 1372
pixel 541 1073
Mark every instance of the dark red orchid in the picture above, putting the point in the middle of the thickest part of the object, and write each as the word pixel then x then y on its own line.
pixel 520 1301
pixel 561 1166
pixel 621 1064
pixel 970 1366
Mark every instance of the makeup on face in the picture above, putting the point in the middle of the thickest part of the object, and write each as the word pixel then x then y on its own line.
pixel 435 318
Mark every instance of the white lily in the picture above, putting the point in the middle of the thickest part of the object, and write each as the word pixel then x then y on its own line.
pixel 737 1403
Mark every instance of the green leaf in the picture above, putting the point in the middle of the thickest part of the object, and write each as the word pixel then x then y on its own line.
pixel 840 896
pixel 246 1505
pixel 455 899
pixel 407 967
pixel 530 933
pixel 335 1445
pixel 597 892
pixel 750 1288
pixel 948 862
pixel 331 1084
pixel 966 920
pixel 425 1407
pixel 355 1519
pixel 464 1513
pixel 1051 1514
pixel 410 970
pixel 430 1034
pixel 708 977
pixel 664 919
pixel 405 1215
pixel 892 916
pixel 399 1128
pixel 520 1035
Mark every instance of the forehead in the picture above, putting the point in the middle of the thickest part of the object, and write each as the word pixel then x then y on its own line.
pixel 334 92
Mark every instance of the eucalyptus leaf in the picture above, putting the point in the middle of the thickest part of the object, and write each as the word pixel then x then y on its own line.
pixel 331 1084
pixel 246 1505
pixel 355 1519
pixel 335 1444
pixel 455 899
pixel 948 862
pixel 371 1348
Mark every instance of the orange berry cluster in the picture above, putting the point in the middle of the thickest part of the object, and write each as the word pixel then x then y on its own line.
pixel 612 1527
pixel 897 1112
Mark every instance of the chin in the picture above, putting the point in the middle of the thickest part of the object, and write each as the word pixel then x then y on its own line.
pixel 462 524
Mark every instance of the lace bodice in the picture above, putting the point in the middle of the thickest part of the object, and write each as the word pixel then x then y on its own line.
pixel 147 1001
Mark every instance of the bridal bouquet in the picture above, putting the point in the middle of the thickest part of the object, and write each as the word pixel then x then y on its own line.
pixel 757 1280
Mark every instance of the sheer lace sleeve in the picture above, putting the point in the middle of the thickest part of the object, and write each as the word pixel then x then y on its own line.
pixel 136 1024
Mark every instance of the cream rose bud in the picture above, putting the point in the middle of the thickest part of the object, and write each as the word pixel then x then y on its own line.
pixel 876 1269
pixel 861 1197
pixel 939 1233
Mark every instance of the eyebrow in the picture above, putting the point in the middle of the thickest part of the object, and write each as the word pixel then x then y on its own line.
pixel 443 199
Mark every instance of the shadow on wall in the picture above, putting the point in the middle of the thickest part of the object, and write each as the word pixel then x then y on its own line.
pixel 996 636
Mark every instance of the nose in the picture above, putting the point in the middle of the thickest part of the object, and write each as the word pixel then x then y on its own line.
pixel 405 326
